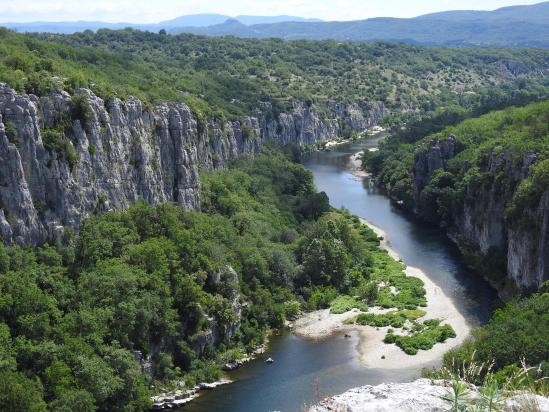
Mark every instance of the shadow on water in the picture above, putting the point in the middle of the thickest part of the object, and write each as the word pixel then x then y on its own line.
pixel 303 369
pixel 303 372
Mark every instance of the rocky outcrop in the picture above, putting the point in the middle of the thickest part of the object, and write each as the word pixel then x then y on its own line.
pixel 224 283
pixel 180 397
pixel 432 159
pixel 303 125
pixel 422 395
pixel 64 157
pixel 478 222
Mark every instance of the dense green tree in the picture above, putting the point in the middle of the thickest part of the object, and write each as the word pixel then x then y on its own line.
pixel 73 400
pixel 20 394
pixel 4 259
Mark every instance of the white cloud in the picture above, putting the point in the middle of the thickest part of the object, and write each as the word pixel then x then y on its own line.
pixel 153 11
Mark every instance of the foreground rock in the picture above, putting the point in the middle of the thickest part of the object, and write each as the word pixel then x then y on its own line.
pixel 422 395
pixel 231 366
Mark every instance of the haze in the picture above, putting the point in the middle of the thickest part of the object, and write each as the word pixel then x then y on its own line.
pixel 145 11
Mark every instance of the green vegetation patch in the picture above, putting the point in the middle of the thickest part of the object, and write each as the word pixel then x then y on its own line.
pixel 12 134
pixel 515 333
pixel 426 335
pixel 345 303
pixel 396 319
pixel 509 353
pixel 228 77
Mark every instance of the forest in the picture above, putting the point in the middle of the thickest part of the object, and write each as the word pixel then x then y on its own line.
pixel 232 77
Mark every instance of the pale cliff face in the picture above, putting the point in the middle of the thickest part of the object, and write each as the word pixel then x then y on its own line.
pixel 126 152
pixel 422 395
pixel 478 223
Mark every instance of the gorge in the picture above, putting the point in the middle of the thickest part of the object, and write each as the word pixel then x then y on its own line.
pixel 304 367
pixel 483 182
pixel 172 204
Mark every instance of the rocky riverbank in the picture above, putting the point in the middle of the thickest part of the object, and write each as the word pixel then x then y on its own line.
pixel 231 366
pixel 178 398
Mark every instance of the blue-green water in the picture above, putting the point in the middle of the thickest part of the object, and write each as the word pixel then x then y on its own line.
pixel 304 370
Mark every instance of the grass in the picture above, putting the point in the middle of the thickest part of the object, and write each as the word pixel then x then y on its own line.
pixel 345 303
pixel 494 386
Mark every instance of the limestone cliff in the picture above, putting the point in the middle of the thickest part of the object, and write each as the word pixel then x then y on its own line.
pixel 477 220
pixel 422 395
pixel 64 157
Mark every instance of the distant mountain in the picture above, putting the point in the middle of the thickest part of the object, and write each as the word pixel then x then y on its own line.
pixel 190 21
pixel 64 27
pixel 518 26
pixel 509 26
pixel 538 13
pixel 194 20
pixel 205 20
pixel 251 20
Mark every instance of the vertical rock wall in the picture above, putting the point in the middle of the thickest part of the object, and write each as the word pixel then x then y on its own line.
pixel 118 152
pixel 478 222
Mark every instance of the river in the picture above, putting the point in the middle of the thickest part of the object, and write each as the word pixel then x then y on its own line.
pixel 304 370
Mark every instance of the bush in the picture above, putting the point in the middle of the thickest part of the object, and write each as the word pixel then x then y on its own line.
pixel 519 331
pixel 321 297
pixel 55 140
pixel 344 303
pixel 81 110
pixel 248 133
pixel 395 319
pixel 292 309
pixel 430 333
pixel 11 134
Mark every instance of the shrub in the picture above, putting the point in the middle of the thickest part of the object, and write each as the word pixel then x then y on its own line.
pixel 11 134
pixel 431 333
pixel 292 309
pixel 395 319
pixel 81 110
pixel 321 297
pixel 55 140
pixel 345 303
pixel 518 331
pixel 248 132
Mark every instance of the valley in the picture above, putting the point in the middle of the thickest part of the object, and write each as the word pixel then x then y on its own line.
pixel 301 217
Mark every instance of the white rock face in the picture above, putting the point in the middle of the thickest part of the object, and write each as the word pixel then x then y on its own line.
pixel 478 225
pixel 423 395
pixel 124 151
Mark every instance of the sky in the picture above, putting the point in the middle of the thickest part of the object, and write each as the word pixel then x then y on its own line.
pixel 153 11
